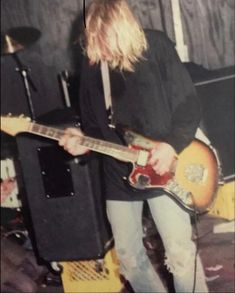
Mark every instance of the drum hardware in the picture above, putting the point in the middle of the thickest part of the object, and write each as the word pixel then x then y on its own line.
pixel 64 82
pixel 14 41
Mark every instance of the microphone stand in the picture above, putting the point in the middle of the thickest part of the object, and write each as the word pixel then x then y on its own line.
pixel 27 80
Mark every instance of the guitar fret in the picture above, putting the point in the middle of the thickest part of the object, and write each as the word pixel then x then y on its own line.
pixel 109 148
pixel 51 132
pixel 87 143
pixel 120 151
pixel 43 130
pixel 46 131
pixel 55 133
pixel 35 127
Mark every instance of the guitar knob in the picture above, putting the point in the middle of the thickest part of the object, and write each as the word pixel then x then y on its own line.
pixel 144 180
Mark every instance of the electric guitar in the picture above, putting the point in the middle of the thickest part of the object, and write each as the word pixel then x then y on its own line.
pixel 192 182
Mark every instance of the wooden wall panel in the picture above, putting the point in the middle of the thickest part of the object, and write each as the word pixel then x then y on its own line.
pixel 148 13
pixel 152 13
pixel 208 27
pixel 209 31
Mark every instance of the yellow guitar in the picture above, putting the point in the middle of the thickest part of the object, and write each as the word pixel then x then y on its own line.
pixel 193 182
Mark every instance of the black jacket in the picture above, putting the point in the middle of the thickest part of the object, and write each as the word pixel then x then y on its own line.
pixel 158 100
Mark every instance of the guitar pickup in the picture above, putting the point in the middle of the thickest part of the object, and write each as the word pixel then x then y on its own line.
pixel 142 158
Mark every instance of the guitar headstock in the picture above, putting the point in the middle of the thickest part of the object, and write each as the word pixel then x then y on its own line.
pixel 13 125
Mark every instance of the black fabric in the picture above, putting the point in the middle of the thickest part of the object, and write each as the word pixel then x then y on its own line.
pixel 158 100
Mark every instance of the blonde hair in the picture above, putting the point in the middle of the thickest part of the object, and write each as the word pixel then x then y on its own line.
pixel 112 33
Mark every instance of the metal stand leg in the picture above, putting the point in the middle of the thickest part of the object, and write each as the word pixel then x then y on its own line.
pixel 23 70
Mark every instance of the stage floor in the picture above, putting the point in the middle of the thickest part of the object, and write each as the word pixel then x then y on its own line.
pixel 216 250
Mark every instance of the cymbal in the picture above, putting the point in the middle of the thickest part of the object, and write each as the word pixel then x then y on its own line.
pixel 18 38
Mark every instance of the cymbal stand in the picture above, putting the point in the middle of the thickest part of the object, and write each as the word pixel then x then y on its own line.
pixel 27 80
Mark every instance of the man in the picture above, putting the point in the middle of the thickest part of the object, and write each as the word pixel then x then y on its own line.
pixel 153 95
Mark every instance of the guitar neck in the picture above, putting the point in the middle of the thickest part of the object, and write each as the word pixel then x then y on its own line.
pixel 111 149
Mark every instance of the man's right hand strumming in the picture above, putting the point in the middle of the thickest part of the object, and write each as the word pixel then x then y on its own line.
pixel 71 140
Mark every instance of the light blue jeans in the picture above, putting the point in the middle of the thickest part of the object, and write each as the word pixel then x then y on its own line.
pixel 174 226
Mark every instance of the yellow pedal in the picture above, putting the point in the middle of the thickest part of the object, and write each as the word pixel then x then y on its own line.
pixel 224 205
pixel 92 276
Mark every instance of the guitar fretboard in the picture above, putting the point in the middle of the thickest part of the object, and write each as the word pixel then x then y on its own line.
pixel 45 131
pixel 117 151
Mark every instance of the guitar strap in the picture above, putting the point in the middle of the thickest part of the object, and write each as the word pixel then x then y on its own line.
pixel 107 89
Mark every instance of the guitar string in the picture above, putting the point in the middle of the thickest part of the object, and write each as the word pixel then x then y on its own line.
pixel 95 144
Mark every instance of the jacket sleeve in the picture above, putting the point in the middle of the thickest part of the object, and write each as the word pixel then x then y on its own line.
pixel 89 124
pixel 182 98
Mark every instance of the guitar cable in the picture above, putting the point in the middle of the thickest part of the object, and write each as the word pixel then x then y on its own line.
pixel 195 217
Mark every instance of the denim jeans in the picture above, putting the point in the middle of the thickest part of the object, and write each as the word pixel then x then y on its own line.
pixel 174 226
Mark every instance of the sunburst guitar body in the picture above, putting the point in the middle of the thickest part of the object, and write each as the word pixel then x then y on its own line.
pixel 193 182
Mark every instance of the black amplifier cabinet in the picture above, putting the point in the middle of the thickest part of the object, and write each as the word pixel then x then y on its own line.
pixel 65 200
pixel 216 90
